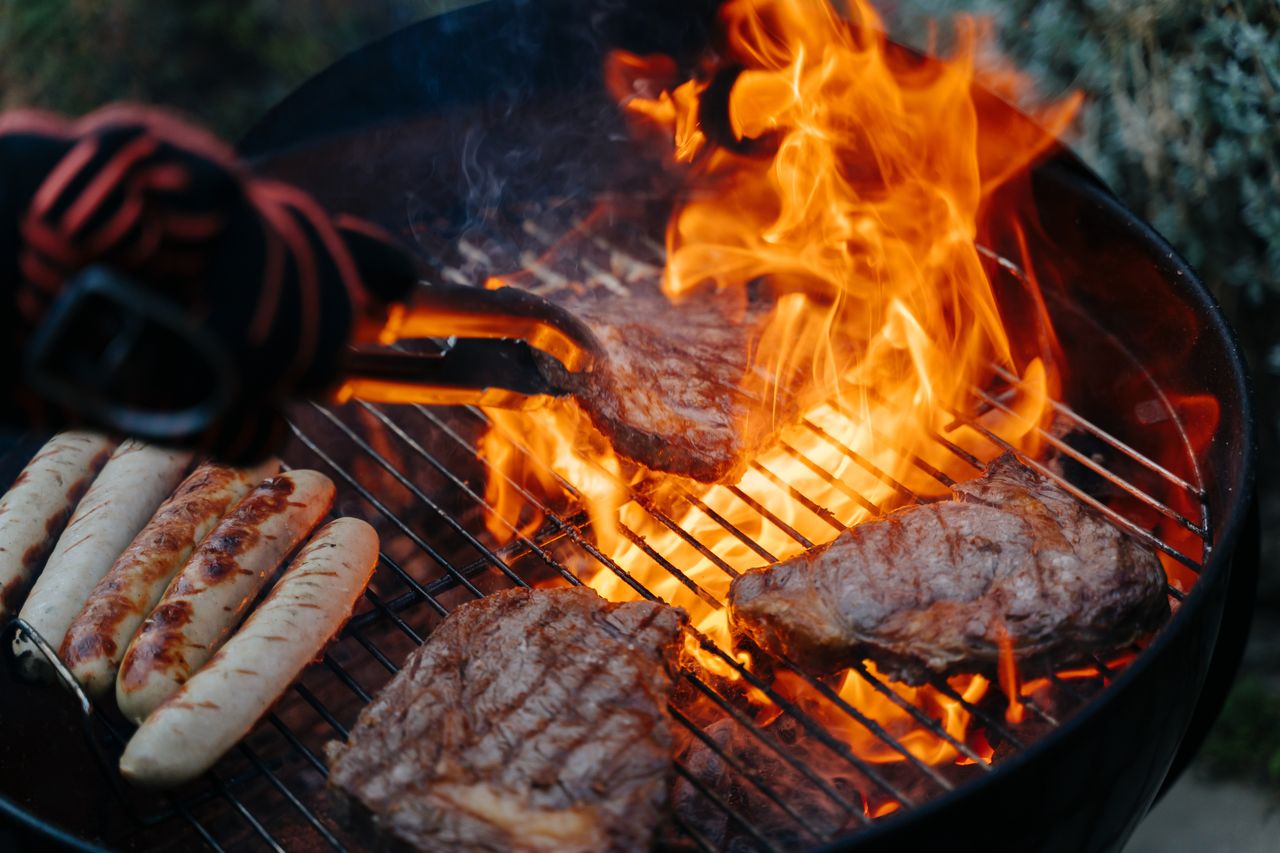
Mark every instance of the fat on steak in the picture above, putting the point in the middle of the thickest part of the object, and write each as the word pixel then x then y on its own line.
pixel 930 589
pixel 530 720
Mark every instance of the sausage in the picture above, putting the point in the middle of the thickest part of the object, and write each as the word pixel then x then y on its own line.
pixel 203 604
pixel 187 734
pixel 97 638
pixel 38 504
pixel 121 499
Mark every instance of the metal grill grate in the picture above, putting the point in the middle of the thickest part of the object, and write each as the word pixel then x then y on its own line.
pixel 269 791
pixel 414 471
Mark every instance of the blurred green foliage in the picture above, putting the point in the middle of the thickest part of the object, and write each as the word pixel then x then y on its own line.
pixel 223 62
pixel 1182 119
pixel 1245 743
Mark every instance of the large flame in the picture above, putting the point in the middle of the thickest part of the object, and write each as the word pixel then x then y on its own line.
pixel 851 184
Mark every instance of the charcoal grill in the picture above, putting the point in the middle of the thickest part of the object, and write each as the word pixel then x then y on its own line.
pixel 440 132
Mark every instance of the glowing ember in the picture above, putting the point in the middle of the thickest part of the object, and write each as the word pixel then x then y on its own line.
pixel 856 206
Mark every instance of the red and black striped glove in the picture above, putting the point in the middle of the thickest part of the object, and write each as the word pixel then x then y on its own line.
pixel 255 272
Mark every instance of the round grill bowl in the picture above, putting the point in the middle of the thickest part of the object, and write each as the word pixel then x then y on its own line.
pixel 513 88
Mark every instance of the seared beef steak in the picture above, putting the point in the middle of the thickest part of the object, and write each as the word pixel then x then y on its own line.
pixel 676 392
pixel 528 721
pixel 932 588
pixel 670 394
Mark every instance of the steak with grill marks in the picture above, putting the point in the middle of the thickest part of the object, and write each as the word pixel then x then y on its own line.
pixel 932 589
pixel 678 389
pixel 528 721
pixel 673 392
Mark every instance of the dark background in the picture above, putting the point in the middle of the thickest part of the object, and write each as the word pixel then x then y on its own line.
pixel 1182 118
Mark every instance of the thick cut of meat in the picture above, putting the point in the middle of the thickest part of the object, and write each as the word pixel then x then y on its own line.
pixel 673 391
pixel 677 390
pixel 933 588
pixel 528 721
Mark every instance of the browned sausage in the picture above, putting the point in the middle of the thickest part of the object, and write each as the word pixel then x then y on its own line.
pixel 136 479
pixel 205 601
pixel 38 504
pixel 96 640
pixel 221 702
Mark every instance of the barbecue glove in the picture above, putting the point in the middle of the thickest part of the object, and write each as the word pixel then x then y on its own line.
pixel 154 287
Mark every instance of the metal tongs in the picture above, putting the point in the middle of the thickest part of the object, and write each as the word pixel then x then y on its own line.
pixel 507 348
pixel 94 351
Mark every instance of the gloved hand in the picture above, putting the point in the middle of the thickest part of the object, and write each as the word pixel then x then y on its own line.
pixel 248 290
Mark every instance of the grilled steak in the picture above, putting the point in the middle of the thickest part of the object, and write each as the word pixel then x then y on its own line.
pixel 677 391
pixel 529 721
pixel 670 394
pixel 931 589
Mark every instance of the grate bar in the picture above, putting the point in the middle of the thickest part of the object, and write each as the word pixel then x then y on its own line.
pixel 737 767
pixel 1106 437
pixel 836 746
pixel 390 516
pixel 465 489
pixel 831 480
pixel 990 722
pixel 1031 703
pixel 919 716
pixel 719 803
pixel 301 748
pixel 345 677
pixel 199 827
pixel 773 519
pixel 1062 447
pixel 703 843
pixel 731 528
pixel 863 462
pixel 1115 517
pixel 392 616
pixel 686 536
pixel 376 653
pixel 686 581
pixel 422 496
pixel 244 812
pixel 284 790
pixel 321 709
pixel 771 743
pixel 821 512
pixel 875 728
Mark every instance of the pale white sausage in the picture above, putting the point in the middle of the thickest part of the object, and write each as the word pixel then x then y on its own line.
pixel 205 601
pixel 36 508
pixel 220 704
pixel 121 499
pixel 96 641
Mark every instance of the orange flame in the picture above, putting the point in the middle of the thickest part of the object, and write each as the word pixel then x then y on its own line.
pixel 858 208
pixel 1010 682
